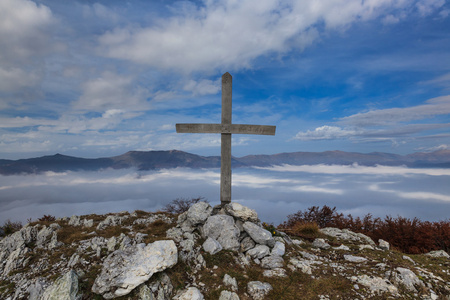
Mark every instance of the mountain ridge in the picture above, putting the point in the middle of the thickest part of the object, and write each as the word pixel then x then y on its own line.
pixel 167 159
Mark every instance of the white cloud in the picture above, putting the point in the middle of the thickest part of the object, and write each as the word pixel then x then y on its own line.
pixel 325 133
pixel 23 30
pixel 112 91
pixel 219 34
pixel 357 169
pixel 381 117
pixel 427 7
pixel 203 87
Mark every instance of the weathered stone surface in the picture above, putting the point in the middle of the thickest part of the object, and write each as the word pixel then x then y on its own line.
pixel 407 278
pixel 36 290
pixel 383 245
pixel 272 262
pixel 230 282
pixel 191 293
pixel 356 259
pixel 258 290
pixel 65 287
pixel 212 246
pixel 342 247
pixel 259 251
pixel 259 234
pixel 320 243
pixel 123 270
pixel 303 265
pixel 369 247
pixel 74 221
pixel 241 212
pixel 227 295
pixel 111 221
pixel 198 213
pixel 438 253
pixel 277 272
pixel 222 229
pixel 345 234
pixel 375 284
pixel 161 288
pixel 247 243
pixel 175 233
pixel 278 249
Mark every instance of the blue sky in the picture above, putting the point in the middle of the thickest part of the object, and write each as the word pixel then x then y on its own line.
pixel 99 78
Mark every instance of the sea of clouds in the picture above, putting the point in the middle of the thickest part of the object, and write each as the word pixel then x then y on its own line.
pixel 273 192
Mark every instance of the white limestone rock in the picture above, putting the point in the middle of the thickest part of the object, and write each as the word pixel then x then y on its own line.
pixel 227 295
pixel 356 259
pixel 272 262
pixel 259 251
pixel 277 272
pixel 321 244
pixel 123 270
pixel 345 234
pixel 230 282
pixel 241 212
pixel 259 234
pixel 278 249
pixel 191 293
pixel 247 243
pixel 65 287
pixel 438 253
pixel 222 229
pixel 258 290
pixel 198 213
pixel 375 284
pixel 407 278
pixel 212 246
pixel 383 245
pixel 301 264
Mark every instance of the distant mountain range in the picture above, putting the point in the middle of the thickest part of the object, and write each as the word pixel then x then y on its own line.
pixel 154 160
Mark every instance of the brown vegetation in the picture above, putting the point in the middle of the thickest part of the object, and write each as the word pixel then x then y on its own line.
pixel 407 235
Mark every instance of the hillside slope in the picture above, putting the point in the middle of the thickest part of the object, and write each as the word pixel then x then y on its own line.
pixel 207 253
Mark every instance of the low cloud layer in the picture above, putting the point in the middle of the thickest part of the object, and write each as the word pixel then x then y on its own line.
pixel 273 192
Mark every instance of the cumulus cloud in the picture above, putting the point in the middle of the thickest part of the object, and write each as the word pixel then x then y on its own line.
pixel 219 34
pixel 24 38
pixel 325 133
pixel 112 91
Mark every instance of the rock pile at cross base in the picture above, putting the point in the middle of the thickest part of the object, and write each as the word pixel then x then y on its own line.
pixel 207 253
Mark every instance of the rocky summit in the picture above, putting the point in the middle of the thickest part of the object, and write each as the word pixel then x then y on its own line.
pixel 220 253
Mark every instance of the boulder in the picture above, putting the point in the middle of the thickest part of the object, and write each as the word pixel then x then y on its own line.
pixel 356 259
pixel 259 251
pixel 212 246
pixel 222 229
pixel 272 262
pixel 66 287
pixel 277 272
pixel 407 278
pixel 241 212
pixel 320 243
pixel 438 253
pixel 198 213
pixel 124 270
pixel 345 234
pixel 191 293
pixel 258 290
pixel 247 243
pixel 227 295
pixel 375 284
pixel 259 234
pixel 383 245
pixel 230 282
pixel 278 249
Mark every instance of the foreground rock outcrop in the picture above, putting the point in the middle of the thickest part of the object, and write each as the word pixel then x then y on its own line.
pixel 207 253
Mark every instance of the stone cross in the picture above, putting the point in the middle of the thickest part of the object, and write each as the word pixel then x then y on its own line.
pixel 226 128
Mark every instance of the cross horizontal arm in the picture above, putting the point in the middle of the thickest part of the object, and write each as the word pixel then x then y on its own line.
pixel 226 128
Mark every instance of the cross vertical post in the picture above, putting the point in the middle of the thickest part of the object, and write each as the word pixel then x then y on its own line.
pixel 225 157
pixel 226 128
